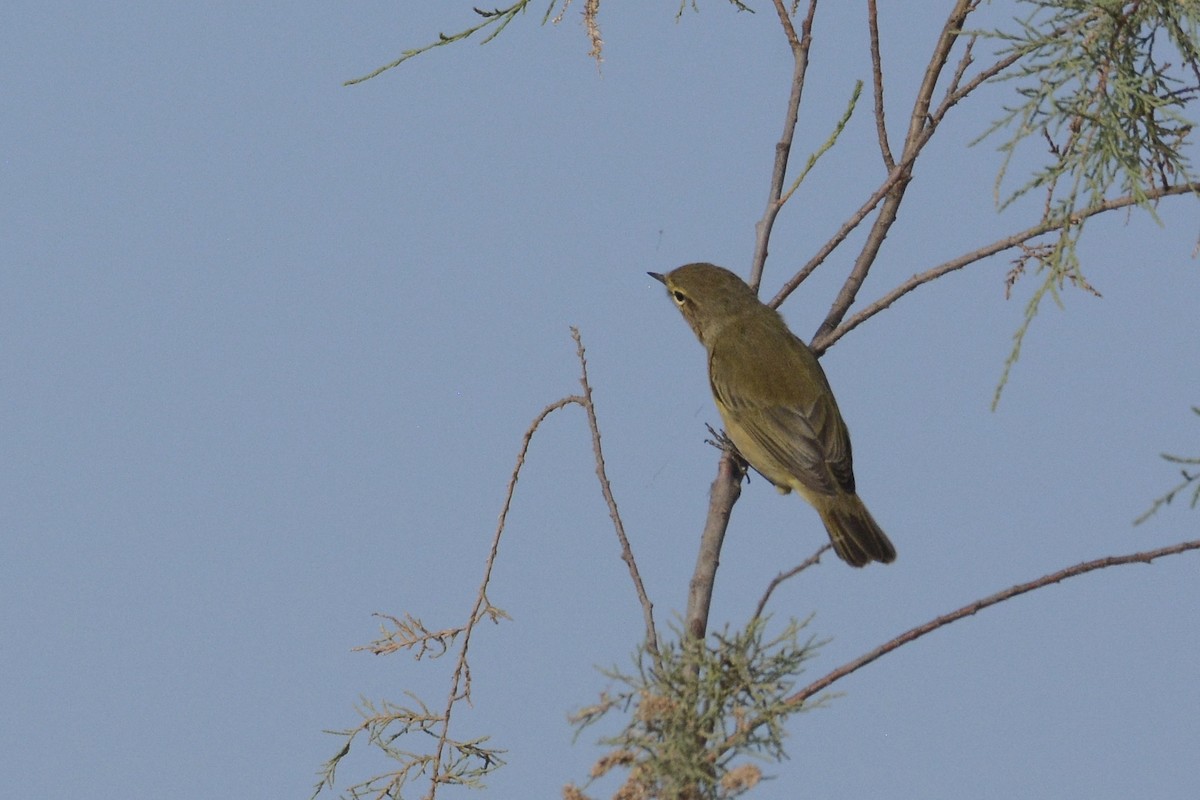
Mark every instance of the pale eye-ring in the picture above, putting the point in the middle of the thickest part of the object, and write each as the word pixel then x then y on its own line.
pixel 679 296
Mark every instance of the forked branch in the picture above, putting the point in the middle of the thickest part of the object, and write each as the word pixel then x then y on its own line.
pixel 606 488
pixel 800 46
pixel 454 761
pixel 823 343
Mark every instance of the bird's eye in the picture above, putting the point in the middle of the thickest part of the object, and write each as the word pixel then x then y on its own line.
pixel 679 296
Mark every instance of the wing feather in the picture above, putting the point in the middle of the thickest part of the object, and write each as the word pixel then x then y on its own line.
pixel 780 412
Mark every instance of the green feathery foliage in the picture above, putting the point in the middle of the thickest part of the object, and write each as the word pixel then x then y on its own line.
pixel 1103 88
pixel 693 717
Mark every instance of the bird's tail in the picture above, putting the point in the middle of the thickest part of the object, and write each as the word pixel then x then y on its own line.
pixel 856 537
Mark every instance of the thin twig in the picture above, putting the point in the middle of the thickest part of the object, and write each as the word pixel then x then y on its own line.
pixel 800 45
pixel 606 488
pixel 958 90
pixel 955 93
pixel 1144 557
pixel 823 343
pixel 877 81
pixel 800 697
pixel 828 144
pixel 460 682
pixel 840 236
pixel 815 558
pixel 919 119
pixel 919 124
pixel 899 172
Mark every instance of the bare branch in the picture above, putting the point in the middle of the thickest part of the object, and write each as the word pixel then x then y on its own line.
pixel 823 343
pixel 802 696
pixel 953 26
pixel 460 682
pixel 464 762
pixel 800 47
pixel 815 558
pixel 606 488
pixel 726 488
pixel 842 233
pixel 956 92
pixel 885 150
pixel 1144 557
pixel 789 30
pixel 919 124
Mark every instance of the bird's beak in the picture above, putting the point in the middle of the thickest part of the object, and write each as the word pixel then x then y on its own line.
pixel 660 278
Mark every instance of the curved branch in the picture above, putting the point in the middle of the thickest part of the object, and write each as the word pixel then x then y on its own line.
pixel 877 80
pixel 460 681
pixel 800 697
pixel 1144 557
pixel 606 488
pixel 815 558
pixel 823 343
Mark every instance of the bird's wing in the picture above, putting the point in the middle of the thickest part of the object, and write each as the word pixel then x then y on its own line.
pixel 785 413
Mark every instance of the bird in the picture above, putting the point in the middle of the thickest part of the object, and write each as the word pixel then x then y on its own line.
pixel 776 403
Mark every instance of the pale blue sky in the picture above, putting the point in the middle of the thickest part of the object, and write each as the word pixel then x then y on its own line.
pixel 268 345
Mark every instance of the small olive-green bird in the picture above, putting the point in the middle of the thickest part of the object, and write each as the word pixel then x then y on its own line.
pixel 776 403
